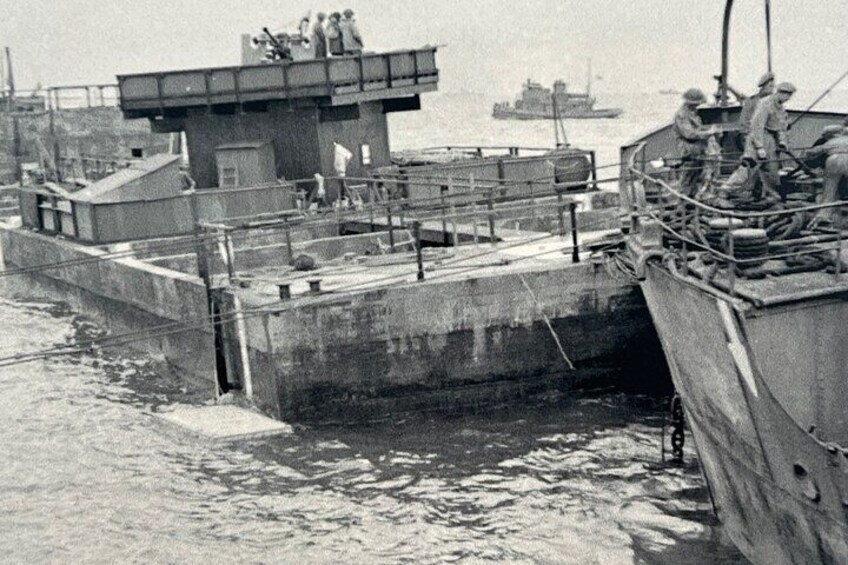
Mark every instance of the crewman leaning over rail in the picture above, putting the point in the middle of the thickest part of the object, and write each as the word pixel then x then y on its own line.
pixel 692 139
pixel 835 152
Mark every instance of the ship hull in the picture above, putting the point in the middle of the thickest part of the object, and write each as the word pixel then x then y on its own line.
pixel 777 489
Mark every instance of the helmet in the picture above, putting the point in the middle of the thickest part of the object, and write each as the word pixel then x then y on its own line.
pixel 786 87
pixel 769 76
pixel 832 131
pixel 694 96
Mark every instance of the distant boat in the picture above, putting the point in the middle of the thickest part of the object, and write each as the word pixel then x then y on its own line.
pixel 670 92
pixel 537 103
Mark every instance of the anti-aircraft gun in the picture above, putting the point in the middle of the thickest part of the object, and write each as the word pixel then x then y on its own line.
pixel 277 47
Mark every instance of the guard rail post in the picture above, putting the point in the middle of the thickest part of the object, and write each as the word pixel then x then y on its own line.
pixel 560 214
pixel 530 185
pixel 453 213
pixel 684 250
pixel 229 253
pixel 371 206
pixel 287 230
pixel 472 186
pixel 443 204
pixel 837 266
pixel 490 206
pixel 731 267
pixel 594 172
pixel 419 257
pixel 390 221
pixel 575 249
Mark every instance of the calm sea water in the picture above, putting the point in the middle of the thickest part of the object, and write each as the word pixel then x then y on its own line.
pixel 87 475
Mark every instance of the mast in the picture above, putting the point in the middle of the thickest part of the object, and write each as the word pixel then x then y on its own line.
pixel 558 125
pixel 555 117
pixel 10 108
pixel 589 79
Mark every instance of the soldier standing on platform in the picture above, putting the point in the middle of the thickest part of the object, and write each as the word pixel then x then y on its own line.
pixel 319 38
pixel 334 35
pixel 692 139
pixel 768 135
pixel 749 106
pixel 351 39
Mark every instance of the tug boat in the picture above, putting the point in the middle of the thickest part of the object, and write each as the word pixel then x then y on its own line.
pixel 540 103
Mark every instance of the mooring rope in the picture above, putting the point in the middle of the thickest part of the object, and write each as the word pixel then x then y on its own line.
pixel 547 322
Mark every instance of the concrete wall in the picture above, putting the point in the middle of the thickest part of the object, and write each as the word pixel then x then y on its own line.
pixel 409 342
pixel 127 294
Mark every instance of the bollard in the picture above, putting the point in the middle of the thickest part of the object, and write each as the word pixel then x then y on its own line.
pixel 419 257
pixel 575 249
pixel 314 285
pixel 285 290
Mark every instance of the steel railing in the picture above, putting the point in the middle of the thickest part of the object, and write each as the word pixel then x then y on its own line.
pixel 682 219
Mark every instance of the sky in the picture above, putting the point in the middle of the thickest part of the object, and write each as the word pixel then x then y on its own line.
pixel 486 45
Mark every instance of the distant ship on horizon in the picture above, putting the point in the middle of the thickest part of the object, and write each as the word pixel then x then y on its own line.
pixel 540 103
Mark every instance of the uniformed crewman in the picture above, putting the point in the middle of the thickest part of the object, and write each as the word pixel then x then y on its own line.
pixel 749 105
pixel 692 139
pixel 835 154
pixel 815 158
pixel 319 37
pixel 741 177
pixel 768 134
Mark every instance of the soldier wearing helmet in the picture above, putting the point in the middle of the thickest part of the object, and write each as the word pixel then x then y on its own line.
pixel 768 134
pixel 692 139
pixel 741 177
pixel 749 106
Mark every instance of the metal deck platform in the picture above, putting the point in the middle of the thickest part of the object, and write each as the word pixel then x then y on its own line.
pixel 341 80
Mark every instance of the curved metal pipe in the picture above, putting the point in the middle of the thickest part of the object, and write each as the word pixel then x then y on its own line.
pixel 768 32
pixel 725 46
